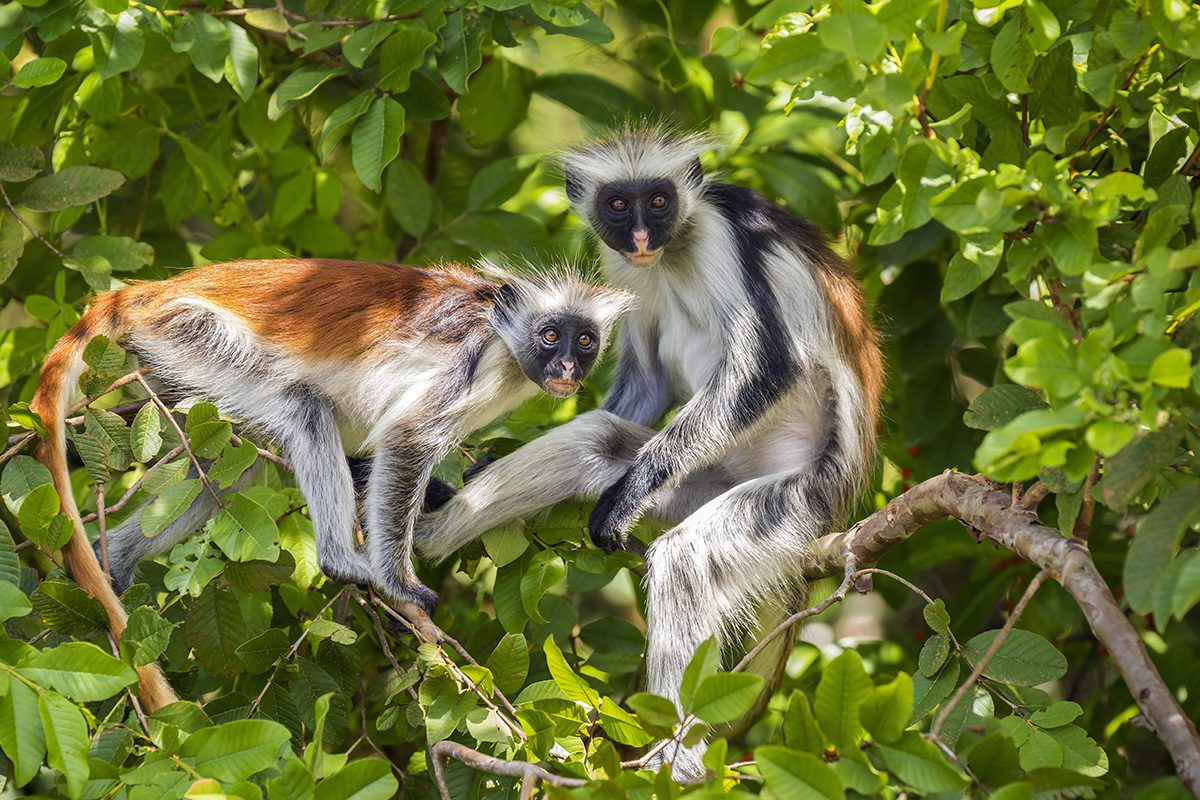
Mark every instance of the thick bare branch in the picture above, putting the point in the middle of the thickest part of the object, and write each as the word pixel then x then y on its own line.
pixel 496 766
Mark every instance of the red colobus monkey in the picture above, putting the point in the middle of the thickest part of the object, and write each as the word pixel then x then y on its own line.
pixel 325 357
pixel 749 321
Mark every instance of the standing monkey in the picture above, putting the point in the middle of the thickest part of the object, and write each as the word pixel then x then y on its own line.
pixel 760 331
pixel 323 357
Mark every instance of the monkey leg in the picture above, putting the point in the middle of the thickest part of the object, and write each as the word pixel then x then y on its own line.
pixel 713 573
pixel 303 425
pixel 128 546
pixel 395 493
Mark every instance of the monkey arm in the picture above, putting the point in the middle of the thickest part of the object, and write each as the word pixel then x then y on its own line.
pixel 739 394
pixel 641 392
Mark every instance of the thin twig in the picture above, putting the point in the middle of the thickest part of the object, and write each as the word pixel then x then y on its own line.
pixel 133 698
pixel 1111 109
pixel 988 654
pixel 295 648
pixel 1083 523
pixel 1034 495
pixel 267 454
pixel 183 437
pixel 27 226
pixel 132 490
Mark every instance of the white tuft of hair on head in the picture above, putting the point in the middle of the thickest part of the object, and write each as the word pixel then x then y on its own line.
pixel 638 152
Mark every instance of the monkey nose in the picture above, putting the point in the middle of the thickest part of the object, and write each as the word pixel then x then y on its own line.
pixel 641 237
pixel 568 369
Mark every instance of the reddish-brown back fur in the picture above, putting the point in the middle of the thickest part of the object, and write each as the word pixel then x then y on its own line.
pixel 321 308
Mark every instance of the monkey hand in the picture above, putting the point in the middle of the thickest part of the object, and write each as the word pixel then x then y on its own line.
pixel 614 515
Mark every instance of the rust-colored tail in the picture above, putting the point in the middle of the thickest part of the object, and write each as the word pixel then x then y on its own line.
pixel 60 372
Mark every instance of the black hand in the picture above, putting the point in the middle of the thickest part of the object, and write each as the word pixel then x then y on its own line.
pixel 615 513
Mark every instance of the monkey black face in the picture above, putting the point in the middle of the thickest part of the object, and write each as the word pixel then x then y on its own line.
pixel 563 351
pixel 636 218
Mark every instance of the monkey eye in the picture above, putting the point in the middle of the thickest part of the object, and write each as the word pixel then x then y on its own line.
pixel 550 335
pixel 618 204
pixel 659 201
pixel 585 340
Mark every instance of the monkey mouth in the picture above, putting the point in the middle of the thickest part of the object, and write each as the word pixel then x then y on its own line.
pixel 644 258
pixel 561 387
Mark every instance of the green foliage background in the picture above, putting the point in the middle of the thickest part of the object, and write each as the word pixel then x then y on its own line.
pixel 1014 179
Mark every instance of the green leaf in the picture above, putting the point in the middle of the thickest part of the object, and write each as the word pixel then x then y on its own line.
pixel 66 740
pixel 38 510
pixel 297 86
pixel 496 102
pixel 544 571
pixel 21 476
pixel 1172 368
pixel 122 253
pixel 146 636
pixel 1047 363
pixel 21 733
pixel 971 265
pixel 792 774
pixel 363 779
pixel 621 726
pixel 339 123
pixel 573 686
pixel 245 531
pixel 800 729
pixel 591 96
pixel 860 37
pixel 215 629
pixel 403 52
pixel 376 140
pixel 497 182
pixel 358 46
pixel 1071 242
pixel 13 602
pixel 12 244
pixel 886 713
pixel 236 750
pixel 1013 56
pixel 726 696
pixel 233 463
pixel 241 65
pixel 792 58
pixel 205 39
pixel 1024 659
pixel 704 663
pixel 79 670
pixel 1129 471
pixel 169 506
pixel 920 764
pixel 509 663
pixel 933 654
pixel 654 710
pixel 928 693
pixel 1056 714
pixel 1156 543
pixel 39 72
pixel 460 55
pixel 1108 436
pixel 66 609
pixel 844 687
pixel 71 187
pixel 261 652
pixel 145 437
pixel 118 48
pixel 410 201
pixel 207 431
pixel 1186 591
pixel 19 163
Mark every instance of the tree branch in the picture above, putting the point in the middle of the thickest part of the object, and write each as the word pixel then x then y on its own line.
pixel 987 512
pixel 497 766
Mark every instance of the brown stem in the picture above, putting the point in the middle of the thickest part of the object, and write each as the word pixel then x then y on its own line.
pixel 101 521
pixel 485 763
pixel 1108 112
pixel 26 225
pixel 295 648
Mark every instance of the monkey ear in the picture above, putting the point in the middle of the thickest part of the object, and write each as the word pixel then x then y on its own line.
pixel 695 173
pixel 574 186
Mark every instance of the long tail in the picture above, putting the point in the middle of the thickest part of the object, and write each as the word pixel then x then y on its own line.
pixel 60 372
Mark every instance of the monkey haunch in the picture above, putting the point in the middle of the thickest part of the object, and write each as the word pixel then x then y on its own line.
pixel 317 355
pixel 759 330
